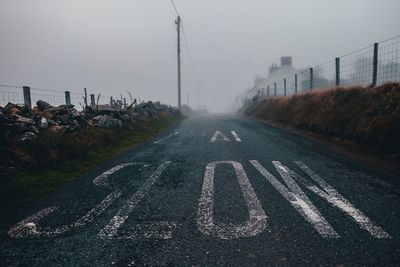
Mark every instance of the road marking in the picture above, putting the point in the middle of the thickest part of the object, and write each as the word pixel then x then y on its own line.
pixel 219 136
pixel 110 230
pixel 29 227
pixel 166 137
pixel 236 136
pixel 102 179
pixel 257 221
pixel 336 199
pixel 156 230
pixel 297 198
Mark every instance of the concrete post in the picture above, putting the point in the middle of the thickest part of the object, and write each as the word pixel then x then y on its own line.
pixel 67 98
pixel 284 86
pixel 375 65
pixel 337 63
pixel 311 78
pixel 111 100
pixel 275 88
pixel 27 96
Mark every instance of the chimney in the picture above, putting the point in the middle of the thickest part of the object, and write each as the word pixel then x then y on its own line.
pixel 273 68
pixel 286 61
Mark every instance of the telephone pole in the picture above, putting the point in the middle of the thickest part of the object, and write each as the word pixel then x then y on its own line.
pixel 178 29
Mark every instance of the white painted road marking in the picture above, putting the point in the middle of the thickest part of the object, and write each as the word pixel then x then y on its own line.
pixel 219 136
pixel 166 137
pixel 257 221
pixel 336 199
pixel 101 180
pixel 110 230
pixel 29 226
pixel 236 136
pixel 297 198
pixel 156 230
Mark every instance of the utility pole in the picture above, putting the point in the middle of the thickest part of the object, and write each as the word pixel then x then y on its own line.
pixel 178 29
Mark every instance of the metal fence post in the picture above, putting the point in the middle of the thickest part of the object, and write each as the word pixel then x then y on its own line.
pixel 337 63
pixel 284 86
pixel 311 78
pixel 275 88
pixel 267 90
pixel 375 65
pixel 295 83
pixel 27 96
pixel 92 101
pixel 67 98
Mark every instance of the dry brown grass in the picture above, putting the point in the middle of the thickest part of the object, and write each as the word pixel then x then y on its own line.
pixel 369 116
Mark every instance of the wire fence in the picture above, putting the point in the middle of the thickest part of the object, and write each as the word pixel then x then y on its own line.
pixel 370 66
pixel 19 95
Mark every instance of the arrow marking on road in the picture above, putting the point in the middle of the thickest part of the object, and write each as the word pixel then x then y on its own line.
pixel 236 136
pixel 219 136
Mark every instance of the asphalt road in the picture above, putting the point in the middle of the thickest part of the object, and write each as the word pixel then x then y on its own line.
pixel 214 190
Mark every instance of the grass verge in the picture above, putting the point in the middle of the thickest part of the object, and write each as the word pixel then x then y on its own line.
pixel 366 116
pixel 56 159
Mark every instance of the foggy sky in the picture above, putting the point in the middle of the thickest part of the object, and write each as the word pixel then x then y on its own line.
pixel 114 46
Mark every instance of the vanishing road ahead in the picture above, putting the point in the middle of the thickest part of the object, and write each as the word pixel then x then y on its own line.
pixel 214 190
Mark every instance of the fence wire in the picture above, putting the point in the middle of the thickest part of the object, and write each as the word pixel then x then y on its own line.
pixel 14 94
pixel 355 68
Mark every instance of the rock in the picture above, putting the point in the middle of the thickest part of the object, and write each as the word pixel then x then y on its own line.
pixel 12 109
pixel 21 119
pixel 33 129
pixel 19 127
pixel 58 129
pixel 58 110
pixel 126 118
pixel 28 136
pixel 46 114
pixel 43 124
pixel 42 105
pixel 73 126
pixel 109 122
pixel 142 111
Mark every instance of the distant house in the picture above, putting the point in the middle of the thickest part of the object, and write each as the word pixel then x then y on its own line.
pixel 275 74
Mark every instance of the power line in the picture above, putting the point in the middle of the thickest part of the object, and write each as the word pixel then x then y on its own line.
pixel 176 10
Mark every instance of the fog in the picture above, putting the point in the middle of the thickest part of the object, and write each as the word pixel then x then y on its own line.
pixel 113 46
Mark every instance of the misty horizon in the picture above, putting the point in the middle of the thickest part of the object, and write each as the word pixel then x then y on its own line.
pixel 112 47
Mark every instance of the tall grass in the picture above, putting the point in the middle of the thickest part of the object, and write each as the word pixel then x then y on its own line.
pixel 368 116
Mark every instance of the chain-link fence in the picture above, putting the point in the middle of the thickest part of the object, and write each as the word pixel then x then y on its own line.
pixel 370 66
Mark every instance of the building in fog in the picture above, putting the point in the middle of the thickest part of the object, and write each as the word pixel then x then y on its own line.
pixel 276 73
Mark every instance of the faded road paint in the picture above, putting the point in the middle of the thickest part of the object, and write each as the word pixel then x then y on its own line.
pixel 166 137
pixel 219 136
pixel 118 220
pixel 336 199
pixel 257 221
pixel 236 136
pixel 298 199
